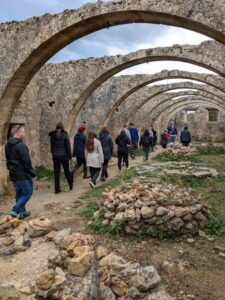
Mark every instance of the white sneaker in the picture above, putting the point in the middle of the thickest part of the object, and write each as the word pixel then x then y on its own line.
pixel 92 184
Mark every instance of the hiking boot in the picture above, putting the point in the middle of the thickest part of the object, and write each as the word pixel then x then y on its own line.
pixel 102 179
pixel 24 215
pixel 92 184
pixel 12 214
pixel 86 176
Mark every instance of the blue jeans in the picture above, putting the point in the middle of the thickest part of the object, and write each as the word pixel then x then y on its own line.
pixel 24 191
pixel 172 137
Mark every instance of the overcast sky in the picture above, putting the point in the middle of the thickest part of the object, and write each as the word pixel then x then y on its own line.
pixel 116 40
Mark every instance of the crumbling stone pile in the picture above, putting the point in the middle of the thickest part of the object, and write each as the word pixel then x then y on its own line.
pixel 173 168
pixel 154 209
pixel 77 269
pixel 179 150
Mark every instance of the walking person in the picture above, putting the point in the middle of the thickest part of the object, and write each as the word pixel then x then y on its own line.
pixel 164 139
pixel 146 142
pixel 134 139
pixel 94 157
pixel 79 150
pixel 185 136
pixel 155 136
pixel 20 170
pixel 126 131
pixel 123 142
pixel 107 147
pixel 172 131
pixel 61 154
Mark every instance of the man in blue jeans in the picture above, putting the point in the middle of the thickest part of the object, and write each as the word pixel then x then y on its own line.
pixel 20 170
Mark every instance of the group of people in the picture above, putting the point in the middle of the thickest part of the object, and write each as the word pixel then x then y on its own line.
pixel 91 151
pixel 168 137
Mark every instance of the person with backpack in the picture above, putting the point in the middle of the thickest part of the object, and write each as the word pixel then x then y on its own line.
pixel 154 132
pixel 79 150
pixel 123 143
pixel 107 147
pixel 164 139
pixel 20 170
pixel 185 136
pixel 146 142
pixel 94 157
pixel 61 154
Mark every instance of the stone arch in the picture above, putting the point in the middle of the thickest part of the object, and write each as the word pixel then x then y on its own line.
pixel 17 82
pixel 167 115
pixel 131 106
pixel 139 82
pixel 173 102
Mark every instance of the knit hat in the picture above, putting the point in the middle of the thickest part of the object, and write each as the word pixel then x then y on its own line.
pixel 81 129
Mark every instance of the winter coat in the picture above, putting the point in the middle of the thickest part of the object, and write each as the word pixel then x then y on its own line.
pixel 107 145
pixel 185 136
pixel 154 136
pixel 134 135
pixel 79 145
pixel 18 160
pixel 146 140
pixel 95 159
pixel 60 145
pixel 164 139
pixel 172 130
pixel 122 141
pixel 127 133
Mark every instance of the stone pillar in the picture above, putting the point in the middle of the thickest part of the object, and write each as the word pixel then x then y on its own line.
pixel 3 170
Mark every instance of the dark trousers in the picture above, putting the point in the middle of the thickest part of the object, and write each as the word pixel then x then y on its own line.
pixel 146 151
pixel 94 174
pixel 122 157
pixel 57 162
pixel 104 169
pixel 24 191
pixel 133 148
pixel 81 161
pixel 185 144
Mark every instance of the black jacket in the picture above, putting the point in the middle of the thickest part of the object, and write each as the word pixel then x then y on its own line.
pixel 146 140
pixel 154 136
pixel 60 145
pixel 79 145
pixel 107 145
pixel 185 136
pixel 18 160
pixel 122 141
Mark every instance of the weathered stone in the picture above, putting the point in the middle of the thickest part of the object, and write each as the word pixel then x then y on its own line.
pixel 119 217
pixel 129 214
pixel 45 280
pixel 146 279
pixel 160 295
pixel 60 235
pixel 79 266
pixel 176 224
pixel 181 211
pixel 106 292
pixel 147 212
pixel 26 290
pixel 161 211
pixel 101 252
pixel 118 286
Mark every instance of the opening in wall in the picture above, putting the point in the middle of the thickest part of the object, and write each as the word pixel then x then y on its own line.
pixel 213 115
pixel 190 114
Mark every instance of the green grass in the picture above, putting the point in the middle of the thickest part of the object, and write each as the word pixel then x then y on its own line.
pixel 166 156
pixel 43 172
pixel 90 209
pixel 211 150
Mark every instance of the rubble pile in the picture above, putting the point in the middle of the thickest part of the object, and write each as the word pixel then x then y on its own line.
pixel 153 208
pixel 179 150
pixel 173 168
pixel 76 269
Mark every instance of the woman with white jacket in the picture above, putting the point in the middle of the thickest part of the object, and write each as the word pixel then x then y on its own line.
pixel 94 157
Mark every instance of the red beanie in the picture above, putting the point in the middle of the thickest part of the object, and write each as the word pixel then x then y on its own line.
pixel 81 129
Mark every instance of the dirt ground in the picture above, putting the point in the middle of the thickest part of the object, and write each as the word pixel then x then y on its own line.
pixel 188 270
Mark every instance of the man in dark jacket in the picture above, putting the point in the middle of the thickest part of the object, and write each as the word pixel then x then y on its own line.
pixel 154 136
pixel 134 139
pixel 107 148
pixel 123 142
pixel 185 136
pixel 79 150
pixel 61 154
pixel 20 170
